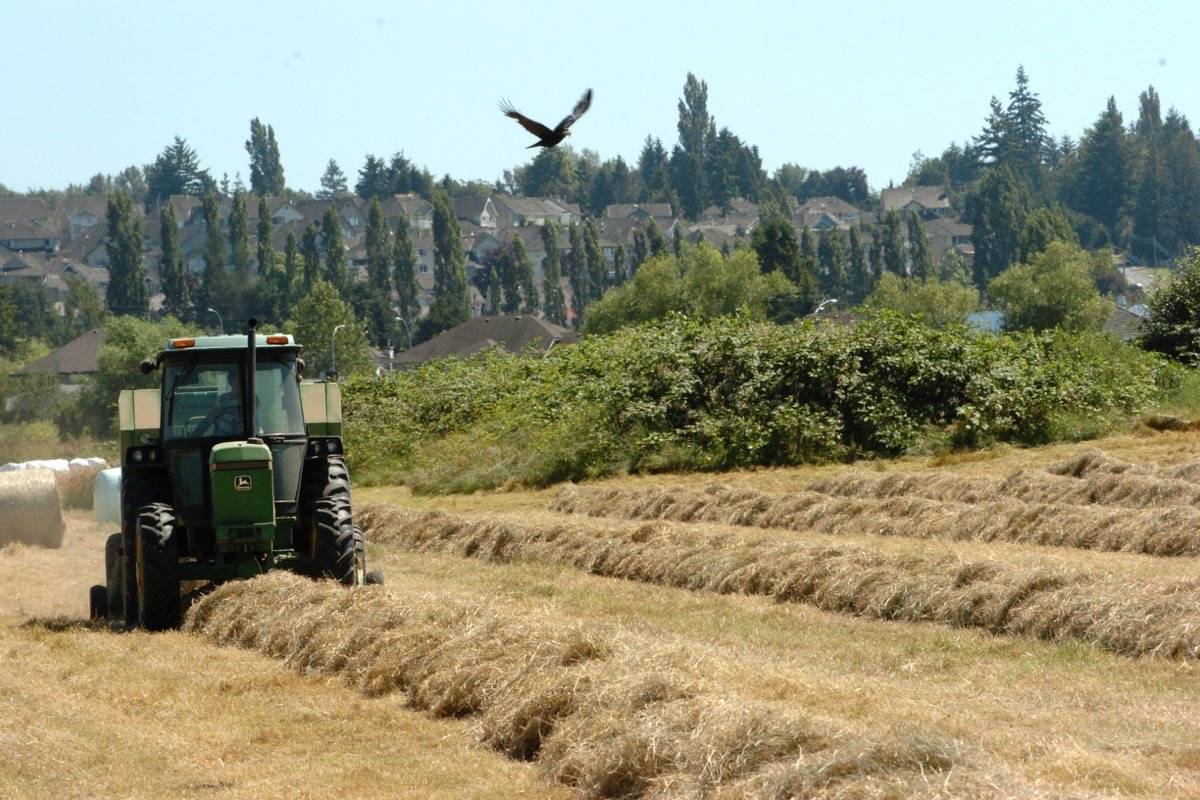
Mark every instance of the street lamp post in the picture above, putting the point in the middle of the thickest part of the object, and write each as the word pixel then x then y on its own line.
pixel 220 322
pixel 333 349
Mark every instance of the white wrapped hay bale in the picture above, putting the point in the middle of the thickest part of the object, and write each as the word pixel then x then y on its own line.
pixel 29 508
pixel 106 496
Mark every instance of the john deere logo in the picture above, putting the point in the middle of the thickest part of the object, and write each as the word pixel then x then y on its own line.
pixel 242 483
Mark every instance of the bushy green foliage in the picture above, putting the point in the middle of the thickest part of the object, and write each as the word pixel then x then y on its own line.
pixel 1054 289
pixel 313 323
pixel 701 283
pixel 937 303
pixel 1174 324
pixel 687 394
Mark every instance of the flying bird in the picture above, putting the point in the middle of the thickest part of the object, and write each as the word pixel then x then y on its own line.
pixel 546 136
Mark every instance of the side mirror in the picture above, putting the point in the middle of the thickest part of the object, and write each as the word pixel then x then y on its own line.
pixel 148 365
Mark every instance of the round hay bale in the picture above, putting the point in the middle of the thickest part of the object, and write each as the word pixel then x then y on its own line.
pixel 29 508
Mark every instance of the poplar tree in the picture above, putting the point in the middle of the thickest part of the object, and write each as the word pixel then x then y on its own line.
pixel 597 267
pixel 335 251
pixel 858 280
pixel 553 304
pixel 832 258
pixel 620 267
pixel 378 252
pixel 523 269
pixel 126 293
pixel 239 238
pixel 918 244
pixel 176 294
pixel 451 299
pixel 494 300
pixel 310 252
pixel 404 273
pixel 266 169
pixel 893 244
pixel 655 241
pixel 808 252
pixel 214 284
pixel 510 287
pixel 577 273
pixel 640 250
pixel 265 250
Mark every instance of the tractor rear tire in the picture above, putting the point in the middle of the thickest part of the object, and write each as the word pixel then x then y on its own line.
pixel 341 547
pixel 98 603
pixel 158 574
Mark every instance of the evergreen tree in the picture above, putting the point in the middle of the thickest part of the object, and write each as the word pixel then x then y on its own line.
pixel 126 293
pixel 1043 226
pixel 379 254
pixel 992 144
pixel 597 267
pixel 336 271
pixel 374 179
pixel 451 300
pixel 893 244
pixel 858 280
pixel 1181 157
pixel 996 209
pixel 554 306
pixel 1151 207
pixel 176 170
pixel 523 269
pixel 652 170
pixel 176 296
pixel 310 252
pixel 265 251
pixel 655 241
pixel 404 273
pixel 239 238
pixel 641 250
pixel 333 182
pixel 774 241
pixel 918 245
pixel 577 272
pixel 215 285
pixel 266 169
pixel 1027 129
pixel 832 258
pixel 1102 177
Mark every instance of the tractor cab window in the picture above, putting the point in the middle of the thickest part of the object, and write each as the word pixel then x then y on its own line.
pixel 204 399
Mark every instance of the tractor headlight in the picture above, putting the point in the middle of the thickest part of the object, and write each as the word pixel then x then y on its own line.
pixel 138 455
pixel 144 455
pixel 333 446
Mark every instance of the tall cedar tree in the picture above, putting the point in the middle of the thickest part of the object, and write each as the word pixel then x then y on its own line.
pixel 126 292
pixel 310 252
pixel 177 299
pixel 510 286
pixel 996 208
pixel 451 300
pixel 554 307
pixel 404 273
pixel 265 252
pixel 215 285
pixel 333 182
pixel 1152 232
pixel 1181 154
pixel 266 169
pixel 597 266
pixel 918 248
pixel 239 237
pixel 176 170
pixel 577 273
pixel 1103 171
pixel 832 257
pixel 655 241
pixel 1026 129
pixel 336 271
pixel 893 244
pixel 523 269
pixel 858 279
pixel 378 249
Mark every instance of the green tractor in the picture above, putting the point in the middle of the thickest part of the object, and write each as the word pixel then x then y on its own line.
pixel 231 468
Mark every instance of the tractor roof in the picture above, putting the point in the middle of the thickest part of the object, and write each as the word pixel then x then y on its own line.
pixel 274 341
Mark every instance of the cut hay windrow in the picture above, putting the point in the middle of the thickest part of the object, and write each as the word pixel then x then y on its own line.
pixel 1165 531
pixel 29 508
pixel 597 708
pixel 1134 618
pixel 1122 490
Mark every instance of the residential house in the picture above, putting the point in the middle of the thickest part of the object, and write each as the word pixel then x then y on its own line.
pixel 945 235
pixel 84 214
pixel 72 363
pixel 514 212
pixel 737 207
pixel 520 334
pixel 418 210
pixel 927 201
pixel 823 213
pixel 27 225
pixel 479 211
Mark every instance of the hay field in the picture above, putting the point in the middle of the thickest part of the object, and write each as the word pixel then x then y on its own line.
pixel 554 644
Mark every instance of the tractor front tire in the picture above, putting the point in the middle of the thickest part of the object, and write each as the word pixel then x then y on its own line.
pixel 158 575
pixel 341 547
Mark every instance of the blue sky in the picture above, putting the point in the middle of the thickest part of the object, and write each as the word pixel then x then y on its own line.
pixel 94 87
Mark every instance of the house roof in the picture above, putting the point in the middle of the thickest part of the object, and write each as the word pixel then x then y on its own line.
pixel 626 210
pixel 945 227
pixel 832 205
pixel 516 334
pixel 925 196
pixel 80 355
pixel 1123 324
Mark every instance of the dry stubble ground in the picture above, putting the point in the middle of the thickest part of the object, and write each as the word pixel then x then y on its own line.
pixel 95 714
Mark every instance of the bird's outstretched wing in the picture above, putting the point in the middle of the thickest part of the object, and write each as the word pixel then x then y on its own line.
pixel 533 126
pixel 583 105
